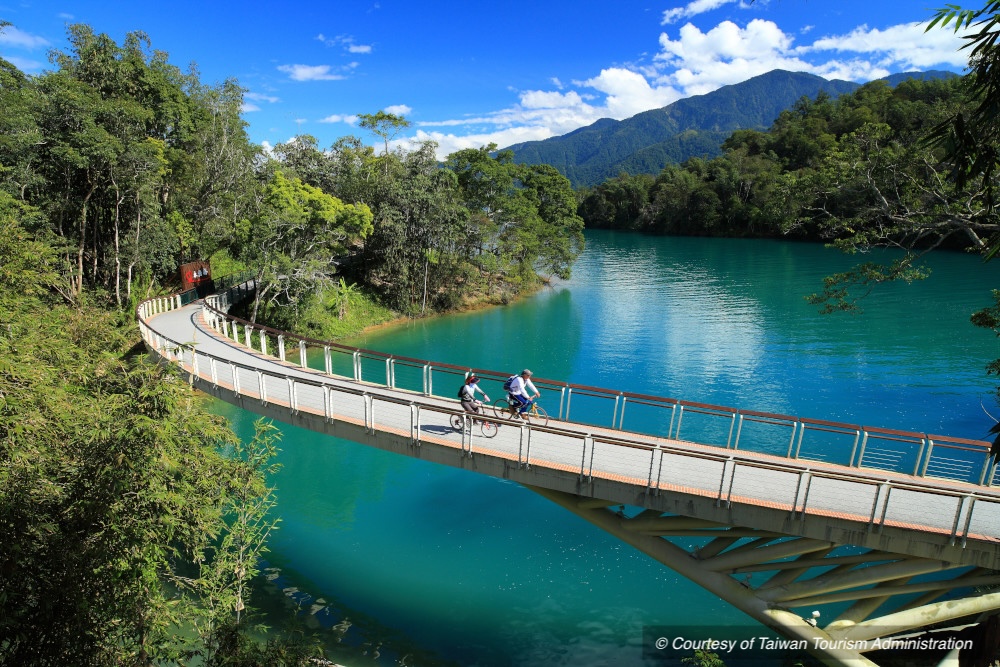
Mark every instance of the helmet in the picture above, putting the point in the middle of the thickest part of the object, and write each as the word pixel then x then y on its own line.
pixel 526 372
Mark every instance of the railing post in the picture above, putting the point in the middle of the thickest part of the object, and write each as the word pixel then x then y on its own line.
pixel 958 518
pixel 415 434
pixel 215 372
pixel 927 460
pixel 920 454
pixel 236 378
pixel 583 456
pixel 303 362
pixel 652 462
pixel 732 425
pixel 569 398
pixel 680 416
pixel 861 451
pixel 263 342
pixel 739 430
pixel 621 415
pixel 292 403
pixel 357 365
pixel 248 335
pixel 281 347
pixel 804 476
pixel 562 398
pixel 526 435
pixel 261 387
pixel 327 408
pixel 728 472
pixel 327 361
pixel 791 443
pixel 369 413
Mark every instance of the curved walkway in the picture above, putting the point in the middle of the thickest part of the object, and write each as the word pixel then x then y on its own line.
pixel 954 521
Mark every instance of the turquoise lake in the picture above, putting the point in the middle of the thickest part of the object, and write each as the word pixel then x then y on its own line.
pixel 428 565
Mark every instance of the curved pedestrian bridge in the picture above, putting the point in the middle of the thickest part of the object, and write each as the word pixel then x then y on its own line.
pixel 772 502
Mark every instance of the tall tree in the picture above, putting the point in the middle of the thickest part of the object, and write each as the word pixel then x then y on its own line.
pixel 295 240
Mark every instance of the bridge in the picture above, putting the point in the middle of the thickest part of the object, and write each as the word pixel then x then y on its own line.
pixel 889 534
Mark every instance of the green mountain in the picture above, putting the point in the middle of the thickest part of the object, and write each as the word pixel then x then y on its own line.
pixel 693 127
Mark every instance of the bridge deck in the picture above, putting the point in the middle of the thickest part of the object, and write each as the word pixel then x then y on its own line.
pixel 955 521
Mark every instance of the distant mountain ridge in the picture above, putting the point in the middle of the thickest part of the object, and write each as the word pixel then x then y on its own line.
pixel 693 127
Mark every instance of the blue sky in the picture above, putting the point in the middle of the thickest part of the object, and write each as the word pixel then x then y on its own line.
pixel 468 73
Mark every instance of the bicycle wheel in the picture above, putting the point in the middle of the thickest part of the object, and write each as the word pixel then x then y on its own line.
pixel 457 422
pixel 501 409
pixel 489 429
pixel 538 415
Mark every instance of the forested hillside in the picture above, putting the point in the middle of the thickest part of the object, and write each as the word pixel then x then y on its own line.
pixel 692 127
pixel 134 520
pixel 130 167
pixel 859 171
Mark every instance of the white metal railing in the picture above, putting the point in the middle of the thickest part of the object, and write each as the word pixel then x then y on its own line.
pixel 850 445
pixel 726 476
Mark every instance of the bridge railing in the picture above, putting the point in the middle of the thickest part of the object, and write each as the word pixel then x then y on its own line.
pixel 733 428
pixel 832 442
pixel 727 477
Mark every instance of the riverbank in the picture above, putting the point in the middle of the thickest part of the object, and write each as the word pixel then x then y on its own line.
pixel 363 315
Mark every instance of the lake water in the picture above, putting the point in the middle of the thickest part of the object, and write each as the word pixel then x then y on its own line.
pixel 430 565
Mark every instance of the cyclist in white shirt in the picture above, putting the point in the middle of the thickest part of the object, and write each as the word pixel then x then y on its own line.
pixel 523 391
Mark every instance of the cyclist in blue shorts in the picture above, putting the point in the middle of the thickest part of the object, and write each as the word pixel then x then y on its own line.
pixel 522 392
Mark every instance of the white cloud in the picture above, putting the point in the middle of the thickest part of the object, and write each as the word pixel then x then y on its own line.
pixel 345 41
pixel 628 93
pixel 350 119
pixel 310 72
pixel 693 61
pixel 449 143
pixel 692 9
pixel 247 107
pixel 699 62
pixel 398 110
pixel 18 39
pixel 25 65
pixel 905 46
pixel 261 97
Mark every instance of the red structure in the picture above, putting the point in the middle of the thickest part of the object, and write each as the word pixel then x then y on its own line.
pixel 194 274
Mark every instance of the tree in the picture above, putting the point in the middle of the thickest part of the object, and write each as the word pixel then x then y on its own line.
pixel 383 125
pixel 109 477
pixel 528 210
pixel 296 239
pixel 970 136
pixel 230 563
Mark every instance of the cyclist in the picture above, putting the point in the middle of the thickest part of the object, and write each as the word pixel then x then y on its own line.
pixel 522 392
pixel 467 394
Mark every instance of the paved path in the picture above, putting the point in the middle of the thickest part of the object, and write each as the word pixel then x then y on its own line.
pixel 889 510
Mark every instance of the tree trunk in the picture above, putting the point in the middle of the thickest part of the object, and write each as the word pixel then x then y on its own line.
pixel 77 285
pixel 423 306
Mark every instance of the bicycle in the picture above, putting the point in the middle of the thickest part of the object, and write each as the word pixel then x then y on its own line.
pixel 487 428
pixel 535 414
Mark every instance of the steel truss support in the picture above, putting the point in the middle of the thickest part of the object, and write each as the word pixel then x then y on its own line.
pixel 893 594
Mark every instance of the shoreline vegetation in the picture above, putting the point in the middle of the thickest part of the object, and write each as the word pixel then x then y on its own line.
pixel 117 167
